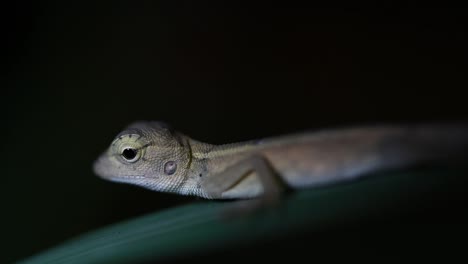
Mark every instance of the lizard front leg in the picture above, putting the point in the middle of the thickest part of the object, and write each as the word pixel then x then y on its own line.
pixel 272 184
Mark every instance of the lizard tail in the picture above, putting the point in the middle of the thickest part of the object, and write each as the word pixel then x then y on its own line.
pixel 442 143
pixel 347 154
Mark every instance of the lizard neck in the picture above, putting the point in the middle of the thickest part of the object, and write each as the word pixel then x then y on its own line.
pixel 206 160
pixel 203 151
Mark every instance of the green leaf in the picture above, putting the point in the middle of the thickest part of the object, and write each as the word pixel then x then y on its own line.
pixel 198 228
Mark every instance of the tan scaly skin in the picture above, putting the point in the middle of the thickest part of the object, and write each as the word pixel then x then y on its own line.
pixel 154 156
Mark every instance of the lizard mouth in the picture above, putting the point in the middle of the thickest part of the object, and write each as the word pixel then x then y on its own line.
pixel 104 168
pixel 125 179
pixel 101 170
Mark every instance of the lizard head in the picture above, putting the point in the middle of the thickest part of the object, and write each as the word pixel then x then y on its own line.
pixel 148 154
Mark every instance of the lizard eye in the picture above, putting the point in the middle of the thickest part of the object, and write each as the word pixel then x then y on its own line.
pixel 170 167
pixel 130 154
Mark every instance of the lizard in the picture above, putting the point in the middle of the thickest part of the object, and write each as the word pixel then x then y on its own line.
pixel 153 155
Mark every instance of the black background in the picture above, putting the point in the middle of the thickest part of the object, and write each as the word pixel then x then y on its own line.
pixel 76 74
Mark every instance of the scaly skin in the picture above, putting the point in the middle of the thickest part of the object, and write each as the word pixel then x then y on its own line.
pixel 152 155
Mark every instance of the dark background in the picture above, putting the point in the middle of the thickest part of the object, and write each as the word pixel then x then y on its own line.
pixel 76 74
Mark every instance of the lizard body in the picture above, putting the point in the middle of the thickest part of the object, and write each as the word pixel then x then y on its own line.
pixel 154 156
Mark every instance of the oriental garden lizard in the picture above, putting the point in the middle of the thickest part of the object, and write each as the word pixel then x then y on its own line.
pixel 155 156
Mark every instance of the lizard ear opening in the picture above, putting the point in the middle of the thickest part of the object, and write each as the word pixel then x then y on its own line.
pixel 170 167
